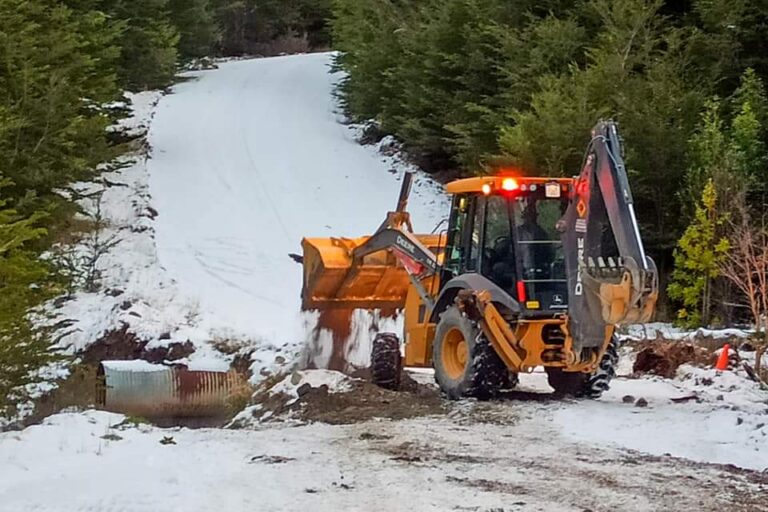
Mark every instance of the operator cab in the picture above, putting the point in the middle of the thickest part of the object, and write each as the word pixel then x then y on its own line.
pixel 504 229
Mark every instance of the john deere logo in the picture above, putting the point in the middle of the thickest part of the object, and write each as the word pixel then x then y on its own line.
pixel 557 299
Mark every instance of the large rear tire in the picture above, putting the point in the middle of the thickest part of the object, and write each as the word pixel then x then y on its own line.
pixel 584 384
pixel 386 361
pixel 466 365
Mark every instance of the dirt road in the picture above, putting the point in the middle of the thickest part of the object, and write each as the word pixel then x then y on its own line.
pixel 474 457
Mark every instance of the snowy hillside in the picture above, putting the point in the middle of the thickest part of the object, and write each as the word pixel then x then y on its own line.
pixel 243 162
pixel 262 161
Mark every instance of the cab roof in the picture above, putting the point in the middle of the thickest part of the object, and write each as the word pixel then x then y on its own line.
pixel 501 182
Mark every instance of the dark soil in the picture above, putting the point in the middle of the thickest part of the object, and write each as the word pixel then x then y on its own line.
pixel 368 401
pixel 121 344
pixel 663 358
pixel 363 402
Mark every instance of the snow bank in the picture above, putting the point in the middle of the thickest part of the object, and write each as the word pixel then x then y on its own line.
pixel 135 290
pixel 337 382
pixel 671 332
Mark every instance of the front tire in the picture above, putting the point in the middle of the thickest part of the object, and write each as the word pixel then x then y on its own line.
pixel 465 363
pixel 386 361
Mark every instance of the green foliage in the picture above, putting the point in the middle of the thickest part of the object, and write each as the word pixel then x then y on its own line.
pixel 197 28
pixel 727 163
pixel 23 279
pixel 253 26
pixel 428 72
pixel 148 43
pixel 732 154
pixel 56 69
pixel 697 258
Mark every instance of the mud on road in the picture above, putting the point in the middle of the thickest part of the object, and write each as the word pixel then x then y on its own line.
pixel 503 455
pixel 525 465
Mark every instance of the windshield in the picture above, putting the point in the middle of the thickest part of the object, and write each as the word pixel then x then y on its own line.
pixel 530 221
pixel 540 250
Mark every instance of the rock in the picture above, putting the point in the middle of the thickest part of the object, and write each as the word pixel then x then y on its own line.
pixel 739 421
pixel 114 292
pixel 60 301
pixel 720 397
pixel 628 399
pixel 167 440
pixel 303 389
pixel 686 398
pixel 641 402
pixel 126 305
pixel 280 360
pixel 295 378
pixel 165 336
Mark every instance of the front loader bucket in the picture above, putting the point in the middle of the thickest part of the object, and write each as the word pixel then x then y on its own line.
pixel 333 279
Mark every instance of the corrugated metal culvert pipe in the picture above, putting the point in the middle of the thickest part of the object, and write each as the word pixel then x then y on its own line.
pixel 139 388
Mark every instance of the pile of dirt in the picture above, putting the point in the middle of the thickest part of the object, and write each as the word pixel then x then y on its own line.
pixel 367 401
pixel 663 358
pixel 121 345
pixel 361 402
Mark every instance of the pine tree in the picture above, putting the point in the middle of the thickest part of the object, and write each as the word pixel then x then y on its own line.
pixel 23 279
pixel 699 253
pixel 749 136
pixel 196 26
pixel 148 43
pixel 56 70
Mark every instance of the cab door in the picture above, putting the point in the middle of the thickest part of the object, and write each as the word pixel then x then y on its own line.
pixel 462 253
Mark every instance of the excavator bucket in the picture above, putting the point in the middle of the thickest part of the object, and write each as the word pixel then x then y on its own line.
pixel 352 273
pixel 611 281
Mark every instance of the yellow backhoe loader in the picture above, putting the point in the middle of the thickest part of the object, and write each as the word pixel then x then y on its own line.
pixel 531 272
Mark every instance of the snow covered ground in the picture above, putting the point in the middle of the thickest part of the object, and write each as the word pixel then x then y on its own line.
pixel 519 461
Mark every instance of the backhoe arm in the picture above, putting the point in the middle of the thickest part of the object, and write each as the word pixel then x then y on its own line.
pixel 611 281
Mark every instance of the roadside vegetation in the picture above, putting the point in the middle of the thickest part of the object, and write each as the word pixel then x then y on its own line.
pixel 65 65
